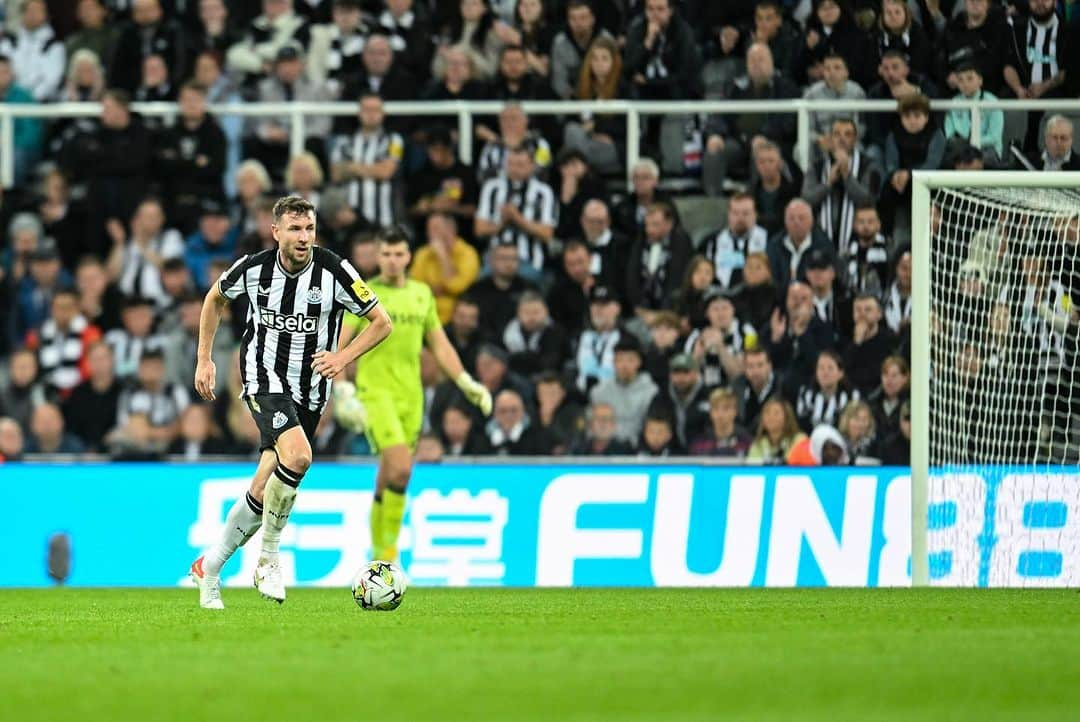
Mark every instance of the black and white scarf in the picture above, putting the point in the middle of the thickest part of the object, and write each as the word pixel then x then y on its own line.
pixel 654 263
pixel 847 208
pixel 897 308
pixel 1042 54
pixel 867 266
pixel 501 439
pixel 60 353
pixel 517 340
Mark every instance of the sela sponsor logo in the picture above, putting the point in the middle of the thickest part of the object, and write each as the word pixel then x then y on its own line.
pixel 297 323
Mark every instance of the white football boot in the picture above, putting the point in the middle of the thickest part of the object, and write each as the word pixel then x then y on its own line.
pixel 268 580
pixel 209 589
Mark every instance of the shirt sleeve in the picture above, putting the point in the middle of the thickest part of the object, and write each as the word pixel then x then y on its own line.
pixel 549 213
pixel 487 211
pixel 231 283
pixel 395 149
pixel 351 291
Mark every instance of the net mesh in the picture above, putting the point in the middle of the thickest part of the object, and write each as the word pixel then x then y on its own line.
pixel 1004 402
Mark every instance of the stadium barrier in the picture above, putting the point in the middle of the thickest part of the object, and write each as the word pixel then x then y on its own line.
pixel 548 523
pixel 465 112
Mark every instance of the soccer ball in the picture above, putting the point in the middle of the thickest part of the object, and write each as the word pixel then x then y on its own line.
pixel 380 587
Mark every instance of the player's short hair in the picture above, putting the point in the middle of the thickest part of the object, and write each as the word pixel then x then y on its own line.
pixel 391 236
pixel 866 207
pixel 292 206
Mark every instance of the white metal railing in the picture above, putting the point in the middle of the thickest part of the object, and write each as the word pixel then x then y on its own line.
pixel 465 111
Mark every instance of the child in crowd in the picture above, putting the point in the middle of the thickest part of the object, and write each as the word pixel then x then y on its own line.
pixel 969 80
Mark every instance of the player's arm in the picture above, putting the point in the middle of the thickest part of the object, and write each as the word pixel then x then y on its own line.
pixel 205 372
pixel 352 293
pixel 450 363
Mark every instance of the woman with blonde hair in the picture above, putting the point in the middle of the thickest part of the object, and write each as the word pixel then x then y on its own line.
pixel 304 177
pixel 859 430
pixel 778 431
pixel 600 137
pixel 252 183
pixel 85 80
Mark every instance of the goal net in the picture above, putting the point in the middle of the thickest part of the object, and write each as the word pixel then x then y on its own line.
pixel 995 346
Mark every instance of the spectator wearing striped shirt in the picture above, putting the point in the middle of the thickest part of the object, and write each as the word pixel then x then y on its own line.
pixel 367 162
pixel 149 410
pixel 513 133
pixel 135 338
pixel 823 400
pixel 518 209
pixel 337 48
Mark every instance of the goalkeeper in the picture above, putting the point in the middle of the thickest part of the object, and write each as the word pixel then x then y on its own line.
pixel 388 385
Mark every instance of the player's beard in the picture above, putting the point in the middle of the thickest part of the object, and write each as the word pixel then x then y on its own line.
pixel 1044 17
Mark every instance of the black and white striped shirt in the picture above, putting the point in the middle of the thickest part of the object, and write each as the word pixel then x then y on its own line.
pixel 290 317
pixel 492 160
pixel 128 349
pixel 139 276
pixel 728 253
pixel 345 56
pixel 373 199
pixel 161 407
pixel 814 407
pixel 537 204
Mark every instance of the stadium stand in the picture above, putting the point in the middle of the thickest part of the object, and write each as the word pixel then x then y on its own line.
pixel 650 321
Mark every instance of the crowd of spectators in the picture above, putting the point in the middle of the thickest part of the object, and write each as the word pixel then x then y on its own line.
pixel 602 323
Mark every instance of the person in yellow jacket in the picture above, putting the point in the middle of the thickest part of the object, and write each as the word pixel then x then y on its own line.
pixel 446 263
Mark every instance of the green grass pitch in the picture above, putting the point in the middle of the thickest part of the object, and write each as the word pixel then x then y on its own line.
pixel 553 655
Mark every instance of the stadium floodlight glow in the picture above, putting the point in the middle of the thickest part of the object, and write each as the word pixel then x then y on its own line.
pixel 995 387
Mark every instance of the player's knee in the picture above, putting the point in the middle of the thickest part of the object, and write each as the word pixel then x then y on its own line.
pixel 300 460
pixel 398 476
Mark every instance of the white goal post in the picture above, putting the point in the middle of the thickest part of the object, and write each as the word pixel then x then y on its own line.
pixel 1033 212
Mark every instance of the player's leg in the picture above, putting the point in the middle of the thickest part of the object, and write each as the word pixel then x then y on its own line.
pixel 383 431
pixel 288 429
pixel 241 523
pixel 395 466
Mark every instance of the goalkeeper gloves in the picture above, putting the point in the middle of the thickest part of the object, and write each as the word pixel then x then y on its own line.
pixel 349 411
pixel 475 392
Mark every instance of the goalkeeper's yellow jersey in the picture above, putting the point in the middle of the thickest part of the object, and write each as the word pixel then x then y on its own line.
pixel 393 367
